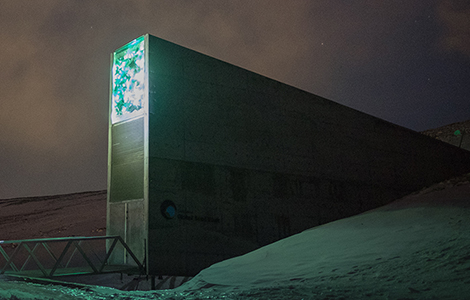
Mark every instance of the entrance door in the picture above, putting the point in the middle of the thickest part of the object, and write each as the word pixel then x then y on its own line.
pixel 127 221
pixel 135 230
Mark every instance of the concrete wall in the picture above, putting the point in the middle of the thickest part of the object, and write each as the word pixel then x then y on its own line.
pixel 248 160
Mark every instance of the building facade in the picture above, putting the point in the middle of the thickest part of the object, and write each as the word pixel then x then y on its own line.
pixel 208 161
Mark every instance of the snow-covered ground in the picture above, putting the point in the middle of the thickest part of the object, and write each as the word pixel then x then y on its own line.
pixel 78 214
pixel 417 247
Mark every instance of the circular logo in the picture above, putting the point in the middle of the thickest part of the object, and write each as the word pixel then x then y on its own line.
pixel 168 209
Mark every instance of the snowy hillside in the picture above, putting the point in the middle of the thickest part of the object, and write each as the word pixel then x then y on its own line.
pixel 457 134
pixel 415 248
pixel 78 214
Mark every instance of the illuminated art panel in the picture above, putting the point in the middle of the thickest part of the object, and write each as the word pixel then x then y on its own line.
pixel 129 88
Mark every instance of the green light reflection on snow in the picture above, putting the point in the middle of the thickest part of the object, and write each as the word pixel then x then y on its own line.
pixel 128 81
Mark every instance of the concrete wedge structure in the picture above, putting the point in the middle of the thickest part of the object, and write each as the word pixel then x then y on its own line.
pixel 208 161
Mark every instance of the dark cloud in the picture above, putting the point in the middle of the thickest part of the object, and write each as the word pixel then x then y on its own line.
pixel 381 57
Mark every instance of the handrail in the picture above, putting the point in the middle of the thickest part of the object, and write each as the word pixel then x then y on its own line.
pixel 71 242
pixel 60 239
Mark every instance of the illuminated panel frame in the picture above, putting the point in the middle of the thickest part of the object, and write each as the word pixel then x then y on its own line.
pixel 129 81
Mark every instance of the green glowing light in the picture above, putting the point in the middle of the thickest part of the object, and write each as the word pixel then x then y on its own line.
pixel 129 91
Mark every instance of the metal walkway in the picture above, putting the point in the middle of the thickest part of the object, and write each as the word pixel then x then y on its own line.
pixel 56 257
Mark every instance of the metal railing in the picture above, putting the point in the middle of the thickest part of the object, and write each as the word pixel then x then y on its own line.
pixel 44 253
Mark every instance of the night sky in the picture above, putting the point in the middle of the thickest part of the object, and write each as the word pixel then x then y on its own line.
pixel 407 62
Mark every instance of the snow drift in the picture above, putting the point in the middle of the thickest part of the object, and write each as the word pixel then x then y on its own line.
pixel 415 248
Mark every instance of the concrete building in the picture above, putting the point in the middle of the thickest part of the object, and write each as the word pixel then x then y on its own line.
pixel 208 161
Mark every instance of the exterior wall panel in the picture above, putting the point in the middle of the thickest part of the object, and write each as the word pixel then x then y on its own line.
pixel 127 161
